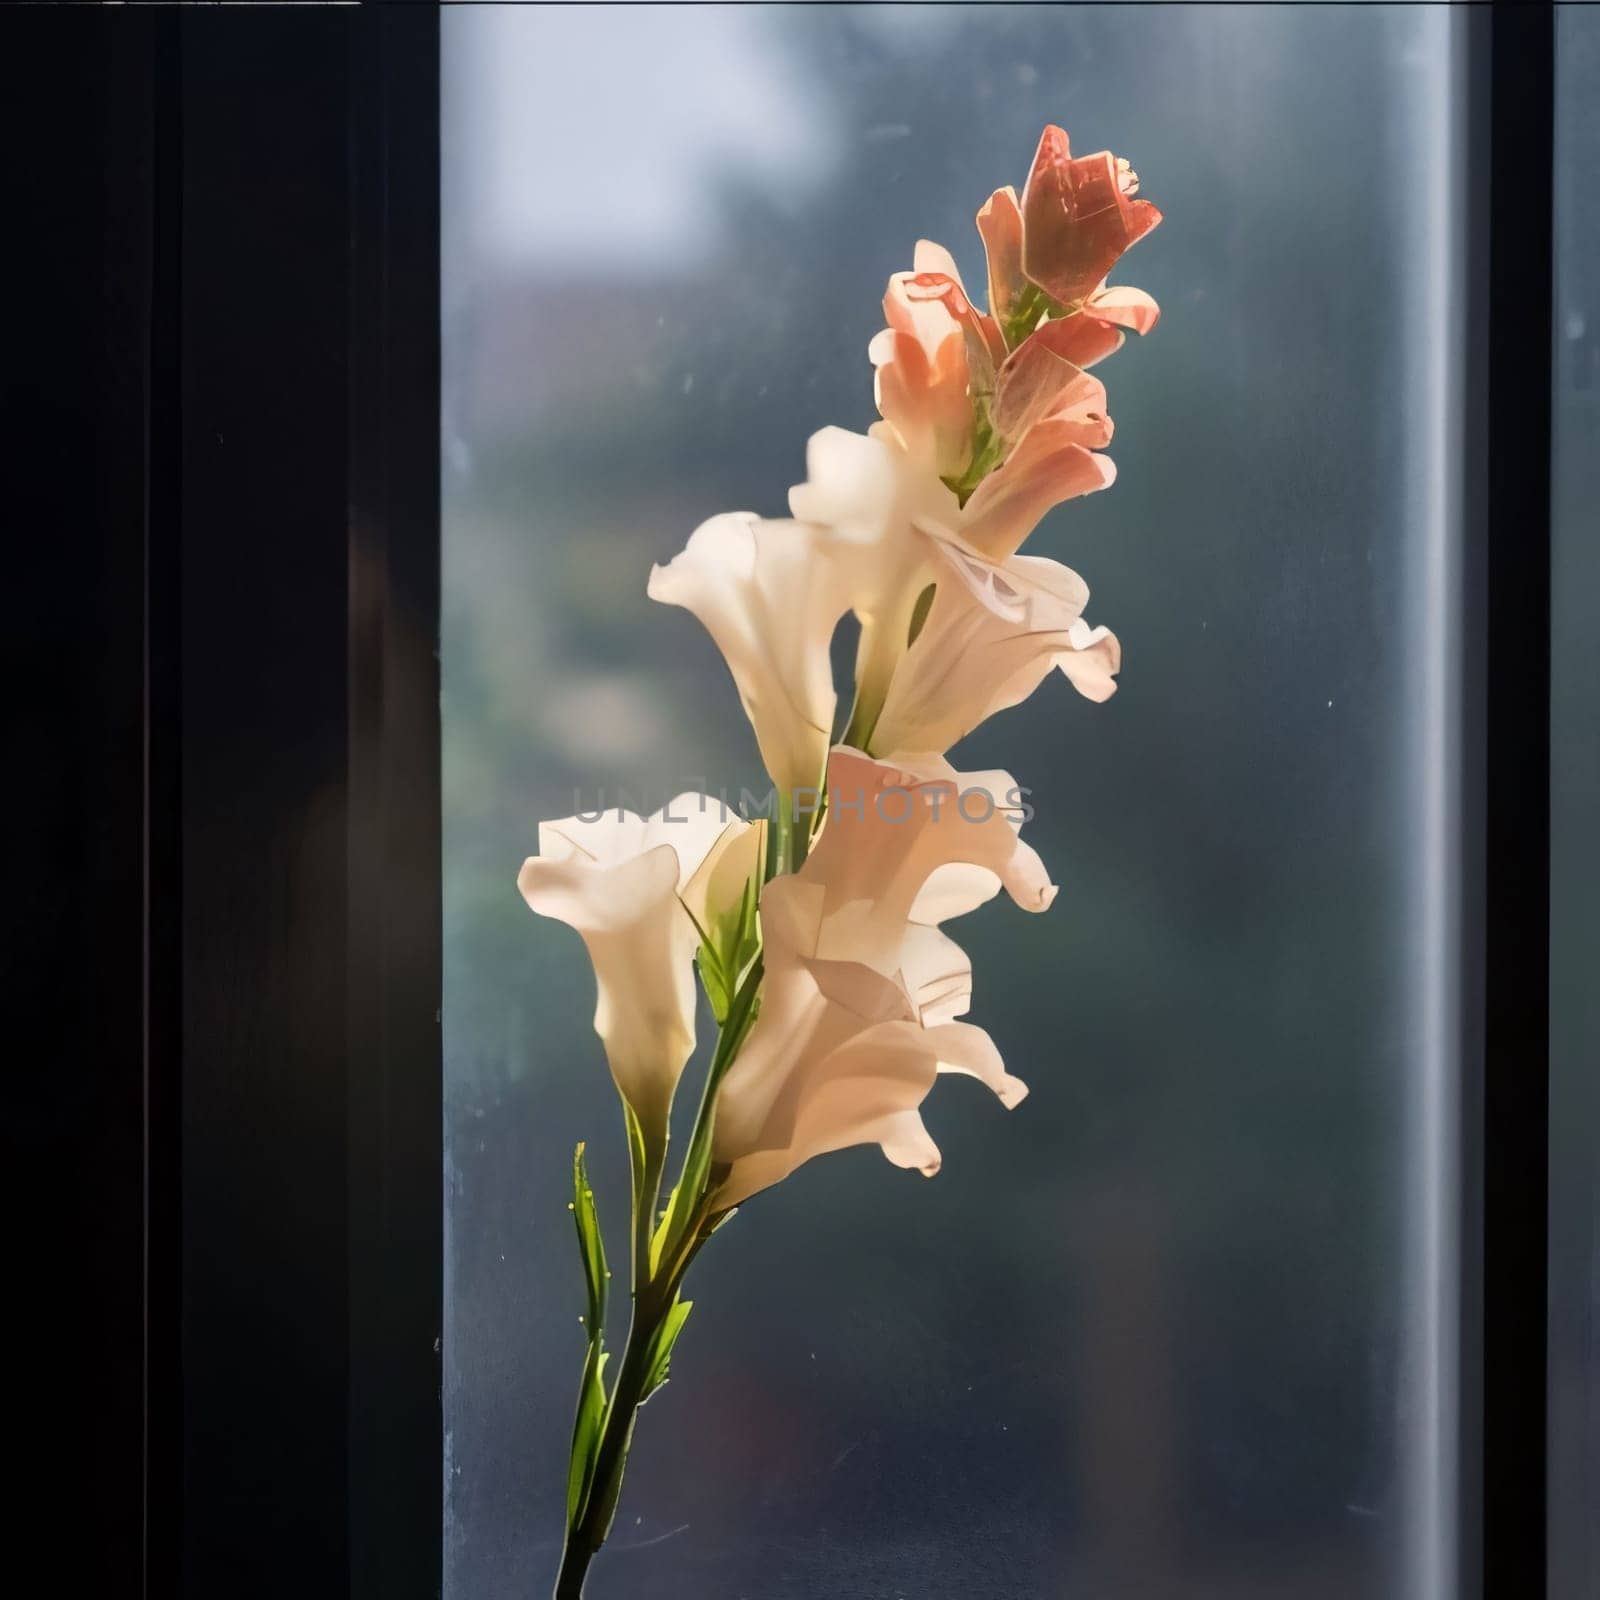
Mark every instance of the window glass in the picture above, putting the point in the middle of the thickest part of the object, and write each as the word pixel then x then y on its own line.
pixel 1176 1325
pixel 1574 805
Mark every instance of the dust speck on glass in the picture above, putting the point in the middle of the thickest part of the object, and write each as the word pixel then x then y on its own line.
pixel 1156 1333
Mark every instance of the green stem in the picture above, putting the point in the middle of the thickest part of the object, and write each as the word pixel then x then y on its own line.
pixel 587 1535
pixel 685 1207
pixel 657 1277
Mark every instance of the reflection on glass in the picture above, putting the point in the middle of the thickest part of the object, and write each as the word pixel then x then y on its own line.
pixel 1154 1333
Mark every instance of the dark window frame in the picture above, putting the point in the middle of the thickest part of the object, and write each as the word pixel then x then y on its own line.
pixel 1507 990
pixel 231 606
pixel 226 383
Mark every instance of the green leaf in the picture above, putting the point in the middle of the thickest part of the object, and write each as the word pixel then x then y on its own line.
pixel 636 1153
pixel 586 1431
pixel 590 1245
pixel 589 1423
pixel 726 949
pixel 660 1356
pixel 714 980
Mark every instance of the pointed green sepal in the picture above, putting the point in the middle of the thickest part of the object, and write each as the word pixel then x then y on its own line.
pixel 586 1430
pixel 589 1423
pixel 590 1245
pixel 666 1336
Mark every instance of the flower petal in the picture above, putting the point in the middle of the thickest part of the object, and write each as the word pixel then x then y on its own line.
pixel 922 394
pixel 1082 339
pixel 1093 661
pixel 931 257
pixel 870 494
pixel 991 636
pixel 971 1052
pixel 858 1005
pixel 617 880
pixel 1127 308
pixel 865 1091
pixel 858 487
pixel 1038 382
pixel 770 594
pixel 1078 218
pixel 953 890
pixel 936 973
pixel 890 824
pixel 1000 224
pixel 1047 467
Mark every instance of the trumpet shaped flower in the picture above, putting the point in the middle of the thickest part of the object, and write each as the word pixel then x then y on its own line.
pixel 770 594
pixel 1049 253
pixel 861 987
pixel 638 890
pixel 993 632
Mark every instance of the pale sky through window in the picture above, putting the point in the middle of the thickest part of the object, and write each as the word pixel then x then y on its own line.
pixel 569 80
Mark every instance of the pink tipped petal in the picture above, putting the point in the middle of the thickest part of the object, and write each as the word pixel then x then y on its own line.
pixel 1081 339
pixel 1092 661
pixel 1037 383
pixel 1049 466
pixel 930 303
pixel 1000 224
pixel 906 1143
pixel 866 1091
pixel 1127 308
pixel 922 395
pixel 859 1003
pixel 926 305
pixel 971 1052
pixel 931 257
pixel 890 825
pixel 1078 219
pixel 974 658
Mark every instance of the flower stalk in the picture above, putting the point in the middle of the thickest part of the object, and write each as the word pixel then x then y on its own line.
pixel 817 932
pixel 633 1387
pixel 662 1254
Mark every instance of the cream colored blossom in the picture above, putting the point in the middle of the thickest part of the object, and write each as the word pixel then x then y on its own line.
pixel 998 621
pixel 770 594
pixel 634 888
pixel 993 632
pixel 861 987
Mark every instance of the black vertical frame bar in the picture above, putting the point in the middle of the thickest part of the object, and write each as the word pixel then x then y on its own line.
pixel 76 111
pixel 396 1129
pixel 223 1135
pixel 163 829
pixel 1514 609
pixel 310 1075
pixel 265 1054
